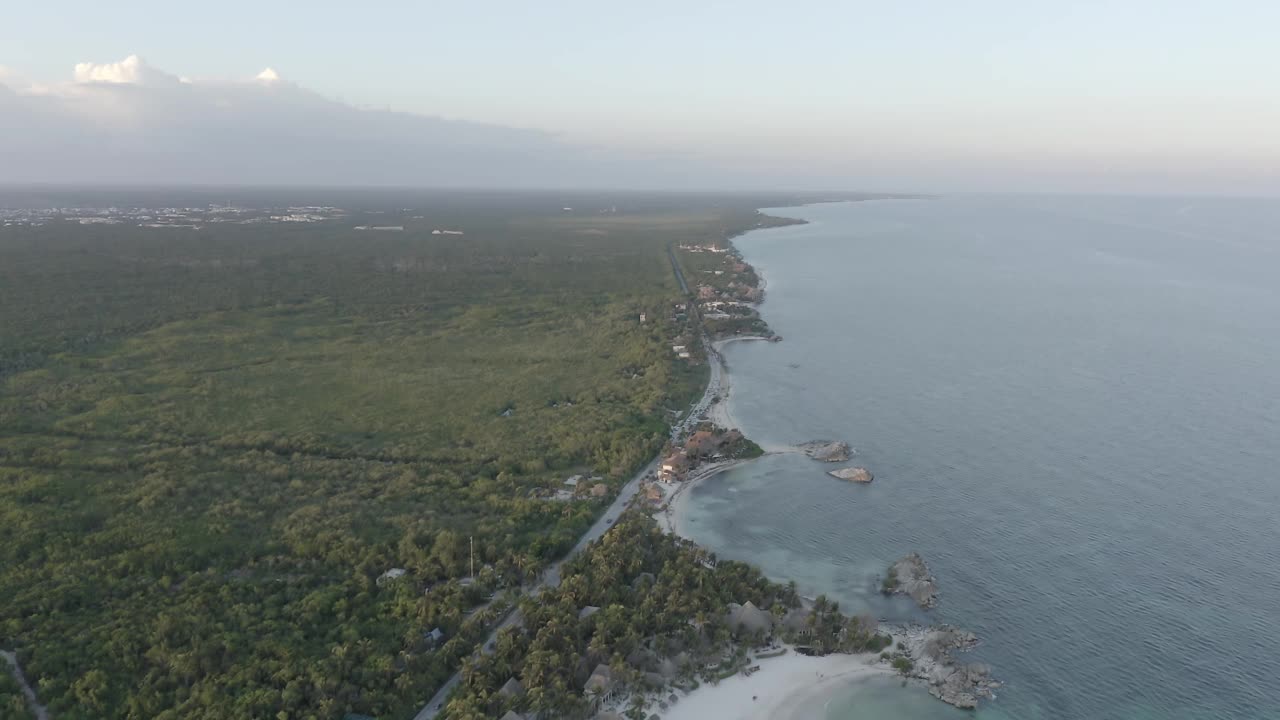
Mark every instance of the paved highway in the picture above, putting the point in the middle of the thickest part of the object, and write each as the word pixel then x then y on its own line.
pixel 551 576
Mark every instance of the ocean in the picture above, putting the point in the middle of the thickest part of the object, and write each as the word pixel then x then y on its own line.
pixel 1072 409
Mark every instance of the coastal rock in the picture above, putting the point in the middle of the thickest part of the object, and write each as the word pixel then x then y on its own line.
pixel 930 650
pixel 961 685
pixel 940 641
pixel 853 474
pixel 827 450
pixel 910 576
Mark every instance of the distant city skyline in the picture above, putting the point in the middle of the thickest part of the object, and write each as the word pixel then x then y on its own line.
pixel 995 95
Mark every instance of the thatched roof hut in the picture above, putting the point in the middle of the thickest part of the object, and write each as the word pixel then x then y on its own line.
pixel 511 688
pixel 750 618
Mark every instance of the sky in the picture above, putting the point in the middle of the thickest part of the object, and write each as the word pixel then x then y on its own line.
pixel 985 95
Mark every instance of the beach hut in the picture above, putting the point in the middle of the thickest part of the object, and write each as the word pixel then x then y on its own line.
pixel 511 688
pixel 750 618
pixel 599 687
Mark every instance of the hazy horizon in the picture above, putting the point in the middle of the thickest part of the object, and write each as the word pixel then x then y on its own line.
pixel 992 97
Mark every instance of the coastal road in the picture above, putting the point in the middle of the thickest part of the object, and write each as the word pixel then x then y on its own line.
pixel 684 286
pixel 549 578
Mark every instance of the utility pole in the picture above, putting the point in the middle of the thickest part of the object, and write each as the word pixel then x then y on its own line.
pixel 473 556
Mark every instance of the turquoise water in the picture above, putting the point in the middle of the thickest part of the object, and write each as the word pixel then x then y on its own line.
pixel 1072 409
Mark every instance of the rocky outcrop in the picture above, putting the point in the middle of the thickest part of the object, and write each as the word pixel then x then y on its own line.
pixel 853 474
pixel 827 450
pixel 930 650
pixel 961 685
pixel 910 576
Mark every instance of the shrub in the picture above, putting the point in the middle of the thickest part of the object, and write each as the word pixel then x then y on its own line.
pixel 890 582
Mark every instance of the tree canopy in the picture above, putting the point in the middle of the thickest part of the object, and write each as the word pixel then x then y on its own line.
pixel 214 444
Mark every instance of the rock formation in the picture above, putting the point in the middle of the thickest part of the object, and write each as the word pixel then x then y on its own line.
pixel 827 450
pixel 853 474
pixel 910 576
pixel 951 682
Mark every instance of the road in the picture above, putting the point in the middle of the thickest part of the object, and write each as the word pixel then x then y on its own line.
pixel 551 576
pixel 684 286
pixel 40 711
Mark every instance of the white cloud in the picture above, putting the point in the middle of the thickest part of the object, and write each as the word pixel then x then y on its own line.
pixel 130 122
pixel 132 70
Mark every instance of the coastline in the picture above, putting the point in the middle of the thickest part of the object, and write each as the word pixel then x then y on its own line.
pixel 719 412
pixel 785 688
pixel 714 407
pixel 795 686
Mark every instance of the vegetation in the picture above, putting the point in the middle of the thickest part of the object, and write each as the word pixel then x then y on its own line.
pixel 657 597
pixel 214 444
pixel 725 286
pixel 662 618
pixel 13 704
pixel 743 448
pixel 890 582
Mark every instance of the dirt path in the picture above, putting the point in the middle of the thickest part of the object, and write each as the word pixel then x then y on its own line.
pixel 41 712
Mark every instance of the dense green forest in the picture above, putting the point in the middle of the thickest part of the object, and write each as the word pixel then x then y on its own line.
pixel 213 443
pixel 13 704
pixel 653 609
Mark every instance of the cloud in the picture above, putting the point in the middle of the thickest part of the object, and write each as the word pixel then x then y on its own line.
pixel 128 122
pixel 133 70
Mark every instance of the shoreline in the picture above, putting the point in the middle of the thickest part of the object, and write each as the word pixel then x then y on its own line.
pixel 784 688
pixel 792 686
pixel 718 413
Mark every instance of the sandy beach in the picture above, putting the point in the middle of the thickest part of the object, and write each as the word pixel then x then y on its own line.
pixel 676 495
pixel 720 412
pixel 792 686
pixel 786 687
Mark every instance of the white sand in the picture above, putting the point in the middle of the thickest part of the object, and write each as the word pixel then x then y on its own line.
pixel 785 687
pixel 676 495
pixel 720 413
pixel 782 686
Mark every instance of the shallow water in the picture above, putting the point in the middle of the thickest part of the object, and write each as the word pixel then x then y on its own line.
pixel 1072 409
pixel 881 699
